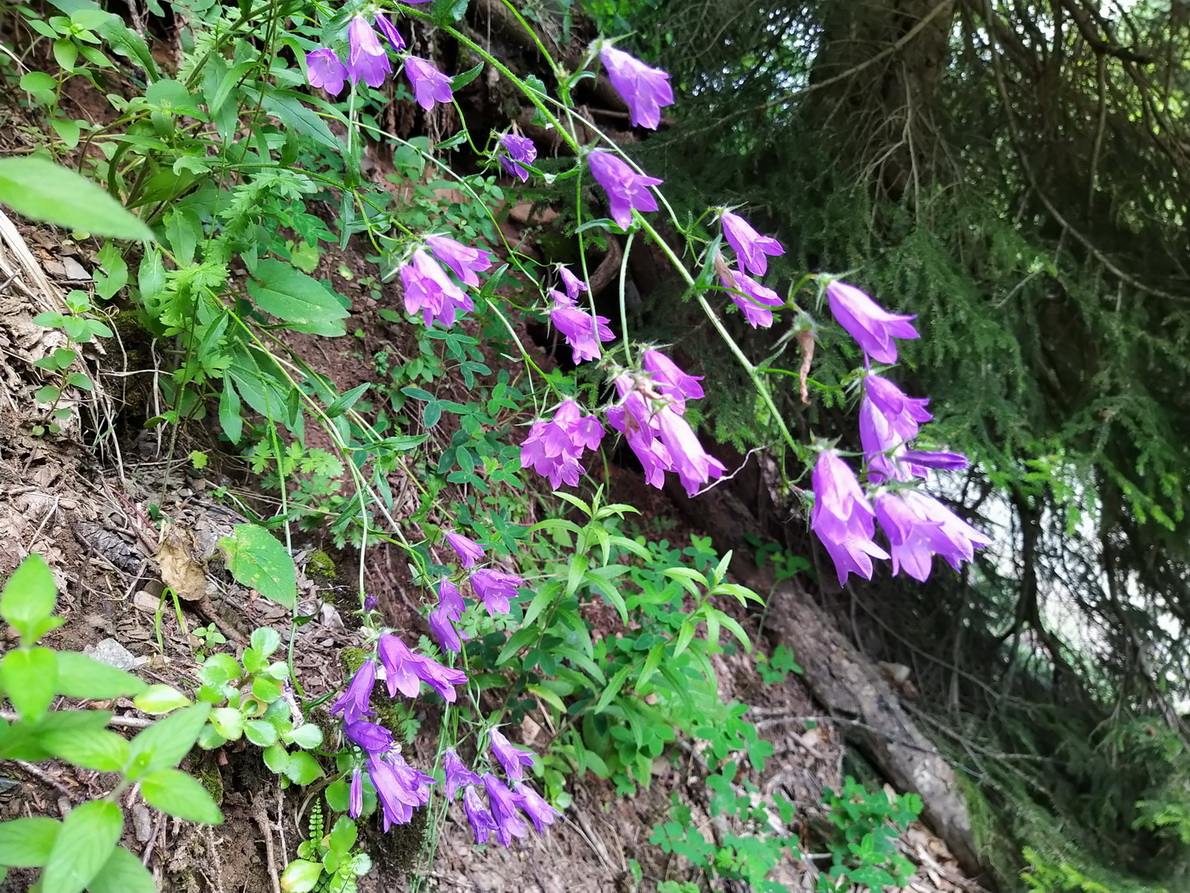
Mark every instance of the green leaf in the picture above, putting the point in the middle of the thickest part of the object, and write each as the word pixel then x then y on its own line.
pixel 267 690
pixel 613 688
pixel 98 749
pixel 461 80
pixel 302 768
pixel 265 640
pixel 228 722
pixel 260 733
pixel 82 676
pixel 257 559
pixel 290 111
pixel 306 736
pixel 84 844
pixel 163 744
pixel 29 677
pixel 296 299
pixel 26 843
pixel 41 86
pixel 42 190
pixel 179 794
pixel 29 597
pixel 157 699
pixel 123 873
pixel 519 640
pixel 276 758
pixel 300 876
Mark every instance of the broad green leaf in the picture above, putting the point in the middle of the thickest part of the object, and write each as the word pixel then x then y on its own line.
pixel 548 696
pixel 26 843
pixel 265 640
pixel 300 301
pixel 123 873
pixel 157 699
pixel 51 193
pixel 519 640
pixel 267 690
pixel 228 722
pixel 293 113
pixel 613 688
pixel 29 677
pixel 306 736
pixel 300 876
pixel 257 559
pixel 276 758
pixel 98 749
pixel 180 794
pixel 163 744
pixel 260 733
pixel 343 835
pixel 84 844
pixel 29 596
pixel 302 768
pixel 82 676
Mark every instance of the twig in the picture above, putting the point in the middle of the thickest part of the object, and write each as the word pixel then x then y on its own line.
pixel 128 722
pixel 43 776
pixel 260 812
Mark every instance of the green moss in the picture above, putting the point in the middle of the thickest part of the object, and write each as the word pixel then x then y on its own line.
pixel 321 566
pixel 209 776
pixel 353 658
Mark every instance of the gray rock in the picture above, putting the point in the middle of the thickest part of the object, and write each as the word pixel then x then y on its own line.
pixel 112 653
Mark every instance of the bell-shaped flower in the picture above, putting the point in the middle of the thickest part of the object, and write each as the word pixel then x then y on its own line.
pixel 478 815
pixel 429 84
pixel 644 89
pixel 355 799
pixel 873 327
pixel 449 599
pixel 323 69
pixel 456 774
pixel 353 703
pixel 468 550
pixel 922 459
pixel 554 448
pixel 399 787
pixel 582 331
pixel 366 59
pixel 391 34
pixel 504 804
pixel 842 517
pixel 440 678
pixel 495 589
pixel 516 151
pixel 918 527
pixel 444 631
pixel 753 299
pixel 369 736
pixel 670 381
pixel 627 191
pixel 429 290
pixel 514 759
pixel 888 420
pixel 750 246
pixel 539 811
pixel 695 467
pixel 571 283
pixel 464 260
pixel 400 666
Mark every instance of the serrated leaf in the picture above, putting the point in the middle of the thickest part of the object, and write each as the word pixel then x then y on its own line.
pixel 178 794
pixel 123 873
pixel 298 300
pixel 82 676
pixel 29 596
pixel 83 846
pixel 98 749
pixel 29 677
pixel 163 744
pixel 257 559
pixel 26 843
pixel 51 193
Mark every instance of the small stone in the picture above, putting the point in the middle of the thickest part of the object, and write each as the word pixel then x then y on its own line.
pixel 146 601
pixel 142 823
pixel 75 272
pixel 112 653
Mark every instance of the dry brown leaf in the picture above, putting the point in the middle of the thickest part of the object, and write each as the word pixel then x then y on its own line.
pixel 180 570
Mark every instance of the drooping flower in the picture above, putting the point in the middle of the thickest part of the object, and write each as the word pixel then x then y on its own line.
pixel 355 804
pixel 456 773
pixel 444 631
pixel 449 599
pixel 873 327
pixel 400 666
pixel 429 290
pixel 644 89
pixel 399 787
pixel 627 191
pixel 582 331
pixel 440 678
pixel 323 69
pixel 366 59
pixel 670 381
pixel 391 34
pixel 634 419
pixel 571 283
pixel 371 737
pixel 503 804
pixel 514 759
pixel 539 811
pixel 517 151
pixel 554 448
pixel 429 84
pixel 842 517
pixel 940 461
pixel 695 467
pixel 495 589
pixel 480 817
pixel 888 420
pixel 753 299
pixel 371 603
pixel 464 260
pixel 750 246
pixel 353 703
pixel 919 527
pixel 469 551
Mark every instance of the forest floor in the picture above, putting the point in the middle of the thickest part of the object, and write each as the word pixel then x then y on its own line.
pixel 107 510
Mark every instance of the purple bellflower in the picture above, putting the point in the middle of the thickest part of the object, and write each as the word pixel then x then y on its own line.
pixel 369 736
pixel 353 703
pixel 634 419
pixel 919 526
pixel 428 289
pixel 404 671
pixel 539 811
pixel 503 804
pixel 444 631
pixel 441 678
pixel 920 459
pixel 464 260
pixel 323 69
pixel 644 89
pixel 495 589
pixel 482 823
pixel 670 381
pixel 456 774
pixel 753 299
pixel 750 246
pixel 366 59
pixel 391 34
pixel 449 599
pixel 469 551
pixel 514 759
pixel 695 467
pixel 627 191
pixel 571 283
pixel 516 150
pixel 554 448
pixel 355 804
pixel 842 517
pixel 889 419
pixel 873 327
pixel 429 84
pixel 399 787
pixel 582 331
